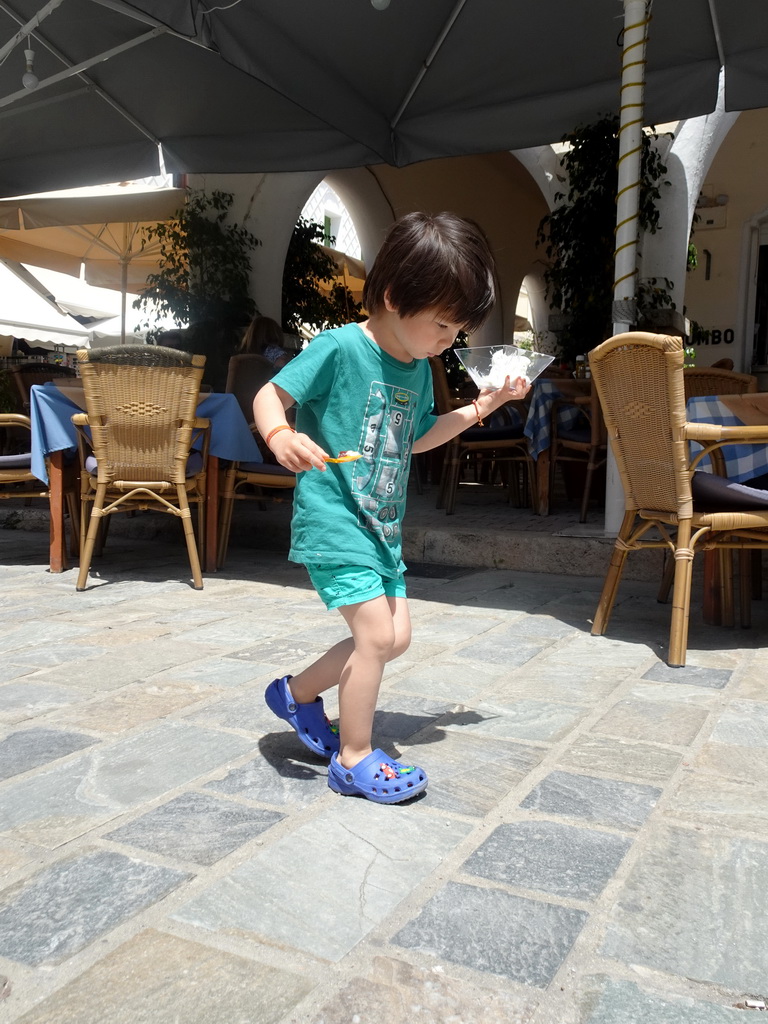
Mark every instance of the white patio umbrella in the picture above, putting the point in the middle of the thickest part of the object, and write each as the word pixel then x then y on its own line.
pixel 102 234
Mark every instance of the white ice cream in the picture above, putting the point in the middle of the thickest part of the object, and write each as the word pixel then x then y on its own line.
pixel 503 365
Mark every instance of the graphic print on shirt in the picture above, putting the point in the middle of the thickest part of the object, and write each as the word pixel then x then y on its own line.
pixel 380 477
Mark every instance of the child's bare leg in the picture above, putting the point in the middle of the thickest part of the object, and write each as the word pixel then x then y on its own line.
pixel 326 672
pixel 322 674
pixel 381 631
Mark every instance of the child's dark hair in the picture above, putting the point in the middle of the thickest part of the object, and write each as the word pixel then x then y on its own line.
pixel 439 262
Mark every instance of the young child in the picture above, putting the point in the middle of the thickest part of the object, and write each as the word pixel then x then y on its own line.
pixel 368 387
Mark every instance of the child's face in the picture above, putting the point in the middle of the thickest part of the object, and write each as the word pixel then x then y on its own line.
pixel 423 335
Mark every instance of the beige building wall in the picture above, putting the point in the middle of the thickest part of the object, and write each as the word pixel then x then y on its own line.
pixel 724 303
pixel 494 190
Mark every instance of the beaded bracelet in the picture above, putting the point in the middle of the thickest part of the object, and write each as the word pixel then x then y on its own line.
pixel 271 434
pixel 480 422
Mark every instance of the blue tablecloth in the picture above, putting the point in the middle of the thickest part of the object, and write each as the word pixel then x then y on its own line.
pixel 51 414
pixel 742 461
pixel 538 426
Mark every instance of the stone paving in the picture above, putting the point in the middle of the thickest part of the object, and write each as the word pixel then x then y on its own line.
pixel 592 848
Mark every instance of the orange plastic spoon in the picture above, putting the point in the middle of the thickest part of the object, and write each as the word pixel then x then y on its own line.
pixel 344 457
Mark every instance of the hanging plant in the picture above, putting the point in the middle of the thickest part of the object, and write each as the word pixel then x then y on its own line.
pixel 578 236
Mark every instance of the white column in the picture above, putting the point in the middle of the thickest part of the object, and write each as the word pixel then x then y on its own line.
pixel 631 118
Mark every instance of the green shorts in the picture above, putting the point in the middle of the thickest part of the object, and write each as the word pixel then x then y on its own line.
pixel 341 585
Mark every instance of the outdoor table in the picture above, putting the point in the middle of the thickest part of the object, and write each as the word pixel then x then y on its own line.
pixel 742 463
pixel 54 438
pixel 538 426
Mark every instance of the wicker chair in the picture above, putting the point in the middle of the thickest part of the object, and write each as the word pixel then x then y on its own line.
pixel 711 380
pixel 18 481
pixel 639 378
pixel 585 443
pixel 136 440
pixel 500 444
pixel 25 375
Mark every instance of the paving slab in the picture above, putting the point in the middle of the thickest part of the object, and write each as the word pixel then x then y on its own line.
pixel 624 805
pixel 469 774
pixel 156 978
pixel 669 722
pixel 493 931
pixel 284 774
pixel 535 720
pixel 725 803
pixel 690 675
pixel 627 1003
pixel 358 863
pixel 398 991
pixel 30 748
pixel 133 706
pixel 550 857
pixel 51 808
pixel 196 827
pixel 617 757
pixel 70 904
pixel 671 914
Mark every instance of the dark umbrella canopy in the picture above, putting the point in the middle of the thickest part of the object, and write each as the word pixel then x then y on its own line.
pixel 276 85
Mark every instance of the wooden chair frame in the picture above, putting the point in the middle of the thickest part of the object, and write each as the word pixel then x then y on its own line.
pixel 639 378
pixel 499 450
pixel 18 481
pixel 237 477
pixel 697 382
pixel 24 375
pixel 591 452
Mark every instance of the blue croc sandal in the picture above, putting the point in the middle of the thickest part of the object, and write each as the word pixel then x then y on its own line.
pixel 377 777
pixel 309 720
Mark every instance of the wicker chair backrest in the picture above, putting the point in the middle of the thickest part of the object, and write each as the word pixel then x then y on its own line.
pixel 139 355
pixel 141 404
pixel 27 374
pixel 639 378
pixel 710 380
pixel 440 386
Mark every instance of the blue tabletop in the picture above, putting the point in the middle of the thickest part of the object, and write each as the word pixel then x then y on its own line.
pixel 742 461
pixel 51 414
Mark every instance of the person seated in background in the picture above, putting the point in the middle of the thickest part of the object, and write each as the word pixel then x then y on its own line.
pixel 264 337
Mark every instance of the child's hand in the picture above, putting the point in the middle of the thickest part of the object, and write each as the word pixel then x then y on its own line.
pixel 298 452
pixel 510 391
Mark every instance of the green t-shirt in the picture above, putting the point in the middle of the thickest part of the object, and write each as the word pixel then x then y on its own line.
pixel 352 396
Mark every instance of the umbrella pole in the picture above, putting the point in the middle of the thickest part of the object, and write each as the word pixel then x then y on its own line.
pixel 124 295
pixel 631 118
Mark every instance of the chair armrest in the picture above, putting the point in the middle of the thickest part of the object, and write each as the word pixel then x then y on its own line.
pixel 733 435
pixel 713 437
pixel 80 419
pixel 201 423
pixel 15 419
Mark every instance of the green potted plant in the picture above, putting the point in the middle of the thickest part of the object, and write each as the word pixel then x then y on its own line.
pixel 203 279
pixel 578 238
